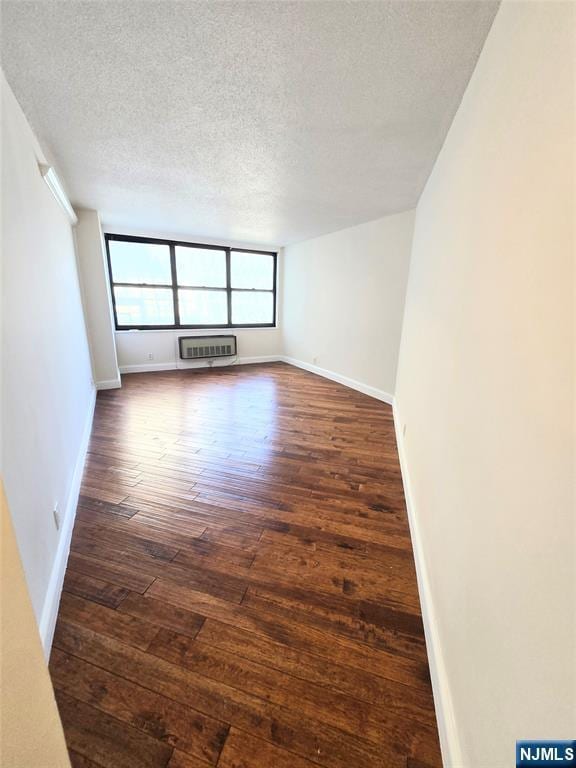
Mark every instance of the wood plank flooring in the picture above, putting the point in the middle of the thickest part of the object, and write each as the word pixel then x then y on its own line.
pixel 241 588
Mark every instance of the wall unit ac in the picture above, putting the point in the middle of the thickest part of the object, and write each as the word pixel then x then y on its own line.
pixel 200 347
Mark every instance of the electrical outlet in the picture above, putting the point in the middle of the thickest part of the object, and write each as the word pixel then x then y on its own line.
pixel 56 515
pixel 404 431
pixel 315 360
pixel 150 356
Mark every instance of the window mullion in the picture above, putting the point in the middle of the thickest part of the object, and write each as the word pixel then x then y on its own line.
pixel 228 286
pixel 174 285
pixel 142 285
pixel 246 297
pixel 274 262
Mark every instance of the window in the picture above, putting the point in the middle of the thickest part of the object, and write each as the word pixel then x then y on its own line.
pixel 167 284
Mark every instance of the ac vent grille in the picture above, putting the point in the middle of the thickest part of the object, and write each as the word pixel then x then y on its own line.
pixel 199 347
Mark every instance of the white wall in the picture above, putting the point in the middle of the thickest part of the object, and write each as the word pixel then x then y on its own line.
pixel 135 347
pixel 96 299
pixel 485 386
pixel 343 299
pixel 47 393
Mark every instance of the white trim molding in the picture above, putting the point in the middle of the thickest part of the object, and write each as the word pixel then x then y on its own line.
pixel 52 599
pixel 366 389
pixel 109 384
pixel 259 359
pixel 182 366
pixel 452 756
pixel 147 367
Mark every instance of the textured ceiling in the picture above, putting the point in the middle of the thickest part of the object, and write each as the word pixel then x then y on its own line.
pixel 264 122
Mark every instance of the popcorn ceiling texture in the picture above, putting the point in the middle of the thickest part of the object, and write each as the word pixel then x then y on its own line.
pixel 263 122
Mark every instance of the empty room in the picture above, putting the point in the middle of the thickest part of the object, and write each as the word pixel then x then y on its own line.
pixel 288 350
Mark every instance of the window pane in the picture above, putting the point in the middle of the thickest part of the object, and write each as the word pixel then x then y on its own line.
pixel 140 262
pixel 201 266
pixel 252 270
pixel 203 307
pixel 144 306
pixel 252 308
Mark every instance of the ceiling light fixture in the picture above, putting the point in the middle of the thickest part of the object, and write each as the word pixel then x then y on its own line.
pixel 51 178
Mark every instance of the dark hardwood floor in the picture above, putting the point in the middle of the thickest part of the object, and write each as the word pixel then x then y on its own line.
pixel 241 588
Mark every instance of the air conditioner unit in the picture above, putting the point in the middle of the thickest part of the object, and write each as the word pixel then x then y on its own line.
pixel 199 347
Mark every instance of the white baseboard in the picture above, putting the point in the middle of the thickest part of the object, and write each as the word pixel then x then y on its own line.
pixel 366 389
pixel 452 756
pixel 109 384
pixel 259 359
pixel 52 600
pixel 147 367
pixel 181 364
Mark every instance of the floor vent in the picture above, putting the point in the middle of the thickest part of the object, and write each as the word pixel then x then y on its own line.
pixel 200 347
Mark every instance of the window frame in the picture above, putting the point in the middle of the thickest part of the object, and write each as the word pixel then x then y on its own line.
pixel 174 287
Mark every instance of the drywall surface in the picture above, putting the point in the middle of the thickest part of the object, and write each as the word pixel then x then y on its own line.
pixel 343 300
pixel 96 298
pixel 158 350
pixel 29 722
pixel 485 388
pixel 47 389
